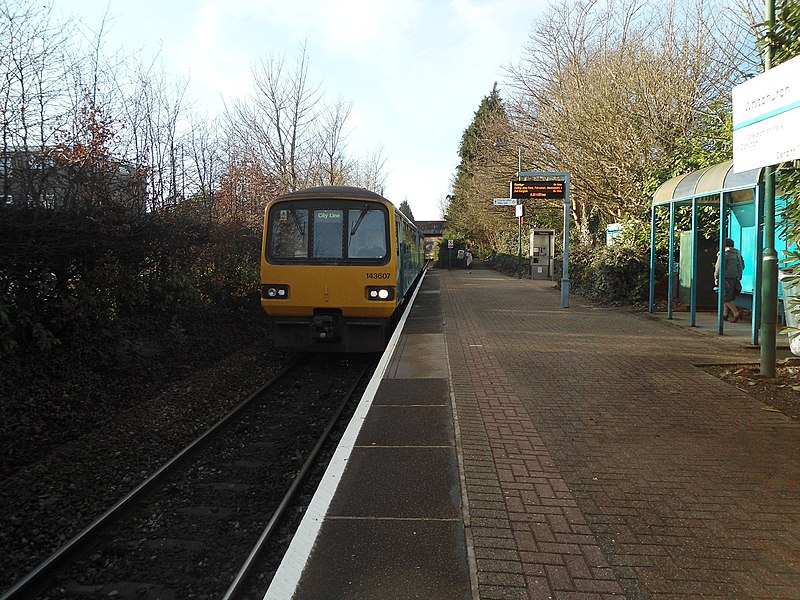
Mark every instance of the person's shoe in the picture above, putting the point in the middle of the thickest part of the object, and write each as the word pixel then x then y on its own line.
pixel 736 318
pixel 724 317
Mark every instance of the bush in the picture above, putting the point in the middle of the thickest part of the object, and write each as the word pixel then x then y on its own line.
pixel 64 275
pixel 508 264
pixel 610 274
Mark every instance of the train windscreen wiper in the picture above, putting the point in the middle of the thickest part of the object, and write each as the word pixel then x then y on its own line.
pixel 357 224
pixel 297 222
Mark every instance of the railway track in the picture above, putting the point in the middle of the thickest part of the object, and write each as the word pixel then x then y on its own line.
pixel 197 527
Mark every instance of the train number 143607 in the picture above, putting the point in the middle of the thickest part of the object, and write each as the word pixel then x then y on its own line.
pixel 378 275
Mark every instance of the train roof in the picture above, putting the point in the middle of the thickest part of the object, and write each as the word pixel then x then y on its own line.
pixel 333 191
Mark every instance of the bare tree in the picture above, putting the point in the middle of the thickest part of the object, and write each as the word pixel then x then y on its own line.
pixel 334 167
pixel 204 151
pixel 606 92
pixel 153 113
pixel 278 123
pixel 33 66
pixel 370 173
pixel 245 188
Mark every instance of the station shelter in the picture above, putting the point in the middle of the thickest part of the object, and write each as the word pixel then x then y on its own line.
pixel 739 198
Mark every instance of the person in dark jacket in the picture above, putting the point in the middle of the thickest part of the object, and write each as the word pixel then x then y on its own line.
pixel 732 277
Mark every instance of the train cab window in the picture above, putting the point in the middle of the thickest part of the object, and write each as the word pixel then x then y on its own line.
pixel 289 234
pixel 367 237
pixel 328 233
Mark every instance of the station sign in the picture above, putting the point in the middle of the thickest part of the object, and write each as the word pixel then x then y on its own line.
pixel 766 118
pixel 537 190
pixel 504 201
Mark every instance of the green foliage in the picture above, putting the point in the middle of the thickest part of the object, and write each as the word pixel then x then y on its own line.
pixel 405 208
pixel 709 142
pixel 614 274
pixel 509 264
pixel 783 35
pixel 228 266
pixel 785 44
pixel 708 224
pixel 477 178
pixel 63 274
pixel 470 151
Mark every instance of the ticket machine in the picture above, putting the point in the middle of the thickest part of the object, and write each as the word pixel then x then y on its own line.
pixel 541 252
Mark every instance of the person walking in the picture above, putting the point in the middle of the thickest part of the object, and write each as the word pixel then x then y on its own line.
pixel 732 277
pixel 468 260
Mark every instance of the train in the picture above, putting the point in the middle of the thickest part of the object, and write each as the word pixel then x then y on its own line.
pixel 337 262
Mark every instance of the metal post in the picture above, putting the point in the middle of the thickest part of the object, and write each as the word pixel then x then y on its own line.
pixel 671 260
pixel 769 259
pixel 769 279
pixel 519 247
pixel 519 218
pixel 695 251
pixel 565 264
pixel 721 256
pixel 755 324
pixel 651 304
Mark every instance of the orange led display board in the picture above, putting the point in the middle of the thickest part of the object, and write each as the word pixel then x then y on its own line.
pixel 535 190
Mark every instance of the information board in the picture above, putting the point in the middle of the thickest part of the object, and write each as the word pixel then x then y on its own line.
pixel 766 118
pixel 537 190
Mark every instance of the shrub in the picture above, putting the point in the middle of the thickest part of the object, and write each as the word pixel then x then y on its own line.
pixel 64 275
pixel 610 274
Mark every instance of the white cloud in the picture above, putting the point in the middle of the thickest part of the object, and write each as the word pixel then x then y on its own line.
pixel 415 70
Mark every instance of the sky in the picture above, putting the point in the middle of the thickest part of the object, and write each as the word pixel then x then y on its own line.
pixel 414 70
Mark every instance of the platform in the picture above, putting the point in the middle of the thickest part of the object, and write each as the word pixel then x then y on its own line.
pixel 511 448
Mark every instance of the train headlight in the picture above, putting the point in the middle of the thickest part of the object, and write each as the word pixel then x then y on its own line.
pixel 376 292
pixel 275 292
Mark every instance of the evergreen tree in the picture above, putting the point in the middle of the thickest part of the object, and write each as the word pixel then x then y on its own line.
pixel 405 208
pixel 480 176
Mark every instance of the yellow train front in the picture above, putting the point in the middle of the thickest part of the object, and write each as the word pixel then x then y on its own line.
pixel 336 263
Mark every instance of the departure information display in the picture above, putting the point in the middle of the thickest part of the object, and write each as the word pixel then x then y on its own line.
pixel 536 190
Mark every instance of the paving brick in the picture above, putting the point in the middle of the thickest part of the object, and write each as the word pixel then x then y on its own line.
pixel 493 592
pixel 608 459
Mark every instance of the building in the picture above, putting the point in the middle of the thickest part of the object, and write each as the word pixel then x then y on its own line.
pixel 44 178
pixel 432 232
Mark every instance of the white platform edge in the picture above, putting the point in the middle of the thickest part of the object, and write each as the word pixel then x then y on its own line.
pixel 294 561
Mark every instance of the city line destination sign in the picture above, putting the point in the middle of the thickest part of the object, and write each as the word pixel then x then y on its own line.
pixel 766 118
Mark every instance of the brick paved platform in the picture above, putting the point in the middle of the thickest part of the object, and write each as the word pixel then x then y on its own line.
pixel 595 458
pixel 601 462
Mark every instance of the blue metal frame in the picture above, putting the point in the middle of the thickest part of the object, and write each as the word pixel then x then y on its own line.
pixel 695 250
pixel 652 300
pixel 723 233
pixel 671 259
pixel 695 202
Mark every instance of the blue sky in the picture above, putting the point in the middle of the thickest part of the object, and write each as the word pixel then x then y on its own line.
pixel 415 70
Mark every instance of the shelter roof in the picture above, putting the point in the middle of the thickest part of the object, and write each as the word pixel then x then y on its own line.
pixel 710 181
